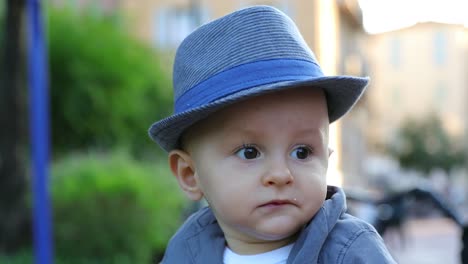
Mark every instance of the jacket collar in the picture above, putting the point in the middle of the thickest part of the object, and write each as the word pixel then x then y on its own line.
pixel 205 243
pixel 314 235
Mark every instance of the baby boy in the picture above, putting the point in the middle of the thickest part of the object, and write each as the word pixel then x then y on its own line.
pixel 250 135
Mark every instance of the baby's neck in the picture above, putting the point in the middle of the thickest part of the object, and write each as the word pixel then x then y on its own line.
pixel 242 247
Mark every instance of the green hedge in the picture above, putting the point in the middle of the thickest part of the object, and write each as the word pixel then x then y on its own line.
pixel 113 208
pixel 26 257
pixel 18 258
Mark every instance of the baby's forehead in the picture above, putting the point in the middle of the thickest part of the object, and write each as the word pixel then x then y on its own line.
pixel 302 111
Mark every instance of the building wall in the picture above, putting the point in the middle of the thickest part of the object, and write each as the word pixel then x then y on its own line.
pixel 417 71
pixel 351 60
pixel 166 22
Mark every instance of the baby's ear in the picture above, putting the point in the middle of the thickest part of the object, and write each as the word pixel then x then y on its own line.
pixel 182 167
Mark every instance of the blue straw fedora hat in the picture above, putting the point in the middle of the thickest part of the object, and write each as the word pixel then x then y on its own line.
pixel 244 54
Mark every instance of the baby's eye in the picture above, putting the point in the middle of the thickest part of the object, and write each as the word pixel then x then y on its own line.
pixel 301 152
pixel 248 153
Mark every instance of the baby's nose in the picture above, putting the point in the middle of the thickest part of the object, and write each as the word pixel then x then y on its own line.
pixel 278 174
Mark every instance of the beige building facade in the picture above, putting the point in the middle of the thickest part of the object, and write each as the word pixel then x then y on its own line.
pixel 418 71
pixel 165 23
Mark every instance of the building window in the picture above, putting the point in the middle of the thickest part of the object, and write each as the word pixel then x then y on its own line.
pixel 283 5
pixel 110 6
pixel 396 96
pixel 440 95
pixel 395 52
pixel 102 7
pixel 440 48
pixel 173 24
pixel 95 7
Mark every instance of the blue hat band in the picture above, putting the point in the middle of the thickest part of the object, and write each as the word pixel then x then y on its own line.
pixel 246 76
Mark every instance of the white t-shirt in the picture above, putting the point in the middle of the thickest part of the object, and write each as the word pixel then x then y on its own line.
pixel 277 256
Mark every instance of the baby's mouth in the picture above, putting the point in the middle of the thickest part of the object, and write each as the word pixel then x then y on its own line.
pixel 274 203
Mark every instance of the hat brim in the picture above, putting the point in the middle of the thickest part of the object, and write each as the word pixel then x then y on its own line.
pixel 342 92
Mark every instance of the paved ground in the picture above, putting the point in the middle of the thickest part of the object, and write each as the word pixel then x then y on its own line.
pixel 427 241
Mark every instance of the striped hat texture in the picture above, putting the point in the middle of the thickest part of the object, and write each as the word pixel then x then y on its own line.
pixel 244 54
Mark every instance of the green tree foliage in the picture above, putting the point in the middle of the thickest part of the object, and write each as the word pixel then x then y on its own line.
pixel 106 86
pixel 113 209
pixel 425 145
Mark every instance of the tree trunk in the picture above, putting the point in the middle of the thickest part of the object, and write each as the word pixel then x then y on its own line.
pixel 14 215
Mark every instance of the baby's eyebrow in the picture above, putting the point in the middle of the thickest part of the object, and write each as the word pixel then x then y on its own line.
pixel 314 133
pixel 311 131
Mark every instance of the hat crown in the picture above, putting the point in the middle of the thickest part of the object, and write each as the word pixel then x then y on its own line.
pixel 253 34
pixel 247 53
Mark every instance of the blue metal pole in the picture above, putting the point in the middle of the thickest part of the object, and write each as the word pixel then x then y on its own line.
pixel 39 126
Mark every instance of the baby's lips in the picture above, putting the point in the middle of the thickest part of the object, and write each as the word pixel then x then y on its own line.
pixel 278 202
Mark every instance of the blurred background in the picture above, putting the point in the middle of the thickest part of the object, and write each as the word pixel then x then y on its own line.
pixel 401 154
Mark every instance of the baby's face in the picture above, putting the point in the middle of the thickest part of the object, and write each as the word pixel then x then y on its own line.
pixel 261 165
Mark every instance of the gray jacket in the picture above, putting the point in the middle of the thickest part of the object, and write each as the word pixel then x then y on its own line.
pixel 332 236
